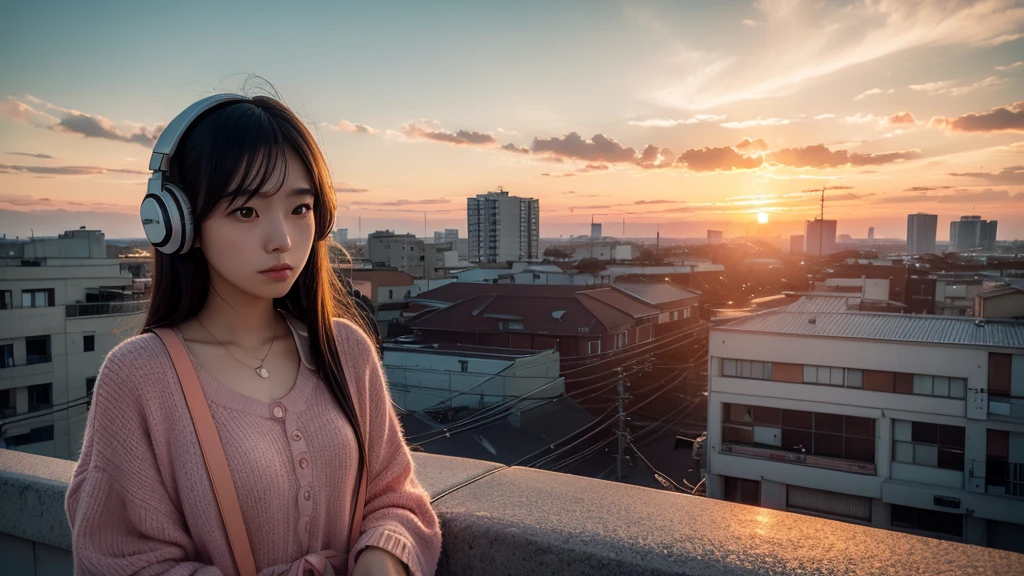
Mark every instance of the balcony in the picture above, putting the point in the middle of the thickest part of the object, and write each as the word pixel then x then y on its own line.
pixel 499 520
pixel 1002 477
pixel 1008 406
pixel 104 308
pixel 780 455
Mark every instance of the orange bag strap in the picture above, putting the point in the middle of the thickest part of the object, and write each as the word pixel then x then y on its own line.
pixel 213 452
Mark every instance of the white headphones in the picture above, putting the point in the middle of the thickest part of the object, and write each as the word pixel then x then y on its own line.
pixel 166 213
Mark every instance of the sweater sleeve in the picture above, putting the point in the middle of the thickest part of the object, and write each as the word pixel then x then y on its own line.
pixel 122 519
pixel 397 515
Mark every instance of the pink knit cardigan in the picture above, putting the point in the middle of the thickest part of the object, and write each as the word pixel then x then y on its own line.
pixel 140 500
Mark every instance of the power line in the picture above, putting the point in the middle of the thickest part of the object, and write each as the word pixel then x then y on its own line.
pixel 655 470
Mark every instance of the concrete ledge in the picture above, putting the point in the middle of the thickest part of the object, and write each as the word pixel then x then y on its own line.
pixel 500 520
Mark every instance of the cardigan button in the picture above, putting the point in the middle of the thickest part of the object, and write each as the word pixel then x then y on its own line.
pixel 303 463
pixel 306 495
pixel 278 411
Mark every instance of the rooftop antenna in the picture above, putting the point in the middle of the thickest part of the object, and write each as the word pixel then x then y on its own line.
pixel 821 224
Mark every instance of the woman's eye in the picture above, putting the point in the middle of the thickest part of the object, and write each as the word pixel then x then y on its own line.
pixel 302 210
pixel 246 212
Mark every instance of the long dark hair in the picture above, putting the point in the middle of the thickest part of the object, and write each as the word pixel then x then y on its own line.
pixel 233 152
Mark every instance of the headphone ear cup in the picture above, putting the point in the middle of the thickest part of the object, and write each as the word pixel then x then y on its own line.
pixel 181 218
pixel 167 219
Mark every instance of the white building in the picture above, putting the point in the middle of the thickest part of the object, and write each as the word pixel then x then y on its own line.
pixel 972 233
pixel 503 228
pixel 63 306
pixel 436 376
pixel 603 251
pixel 921 229
pixel 914 423
pixel 341 235
pixel 819 237
pixel 405 252
pixel 595 230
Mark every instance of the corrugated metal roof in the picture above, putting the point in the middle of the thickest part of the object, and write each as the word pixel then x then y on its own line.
pixel 656 292
pixel 820 304
pixel 883 326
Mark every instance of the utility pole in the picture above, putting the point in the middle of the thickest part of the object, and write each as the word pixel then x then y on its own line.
pixel 623 432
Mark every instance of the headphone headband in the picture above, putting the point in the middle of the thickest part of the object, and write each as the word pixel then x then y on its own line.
pixel 165 210
pixel 167 143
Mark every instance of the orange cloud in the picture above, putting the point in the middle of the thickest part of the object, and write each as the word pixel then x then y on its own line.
pixel 1003 119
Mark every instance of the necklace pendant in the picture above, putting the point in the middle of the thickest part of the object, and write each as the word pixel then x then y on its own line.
pixel 263 372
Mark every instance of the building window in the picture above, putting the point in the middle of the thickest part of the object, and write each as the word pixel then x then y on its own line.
pixel 673 315
pixel 621 339
pixel 829 503
pixel 37 350
pixel 686 312
pixel 40 397
pixel 37 298
pixel 594 347
pixel 90 384
pixel 747 369
pixel 35 436
pixel 833 376
pixel 942 386
pixel 89 343
pixel 741 490
pixel 926 444
pixel 801 432
pixel 464 365
pixel 8 403
pixel 391 294
pixel 6 355
pixel 6 300
pixel 923 520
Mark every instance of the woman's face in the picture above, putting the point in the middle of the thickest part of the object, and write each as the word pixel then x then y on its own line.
pixel 244 243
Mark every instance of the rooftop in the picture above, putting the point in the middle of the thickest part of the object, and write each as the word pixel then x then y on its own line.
pixel 883 326
pixel 655 293
pixel 511 520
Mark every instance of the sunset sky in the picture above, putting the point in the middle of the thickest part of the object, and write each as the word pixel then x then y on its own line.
pixel 678 116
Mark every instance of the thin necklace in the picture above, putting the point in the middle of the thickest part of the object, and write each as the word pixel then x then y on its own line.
pixel 263 373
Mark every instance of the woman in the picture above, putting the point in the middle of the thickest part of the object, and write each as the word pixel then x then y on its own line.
pixel 294 384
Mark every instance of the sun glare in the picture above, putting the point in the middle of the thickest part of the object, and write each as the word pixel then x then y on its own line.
pixel 762 217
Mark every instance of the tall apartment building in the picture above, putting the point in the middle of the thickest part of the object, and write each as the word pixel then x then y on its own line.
pixel 503 228
pixel 921 229
pixel 820 237
pixel 63 306
pixel 341 235
pixel 972 233
pixel 913 423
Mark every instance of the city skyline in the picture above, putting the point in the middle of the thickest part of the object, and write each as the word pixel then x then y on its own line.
pixel 673 118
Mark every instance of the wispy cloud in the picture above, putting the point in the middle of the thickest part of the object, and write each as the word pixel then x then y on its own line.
pixel 599 148
pixel 43 114
pixel 820 156
pixel 431 130
pixel 349 190
pixel 757 122
pixel 1003 119
pixel 33 155
pixel 1010 66
pixel 346 126
pixel 65 170
pixel 1011 175
pixel 661 123
pixel 950 86
pixel 811 40
pixel 747 145
pixel 398 203
pixel 872 92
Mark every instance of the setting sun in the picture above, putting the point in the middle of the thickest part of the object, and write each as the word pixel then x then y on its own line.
pixel 762 217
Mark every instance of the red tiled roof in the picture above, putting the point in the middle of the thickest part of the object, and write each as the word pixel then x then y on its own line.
pixel 457 291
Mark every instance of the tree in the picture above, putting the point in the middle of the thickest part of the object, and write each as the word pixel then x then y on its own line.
pixel 557 253
pixel 590 265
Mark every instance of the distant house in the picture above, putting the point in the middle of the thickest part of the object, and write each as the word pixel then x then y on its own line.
pixel 577 321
